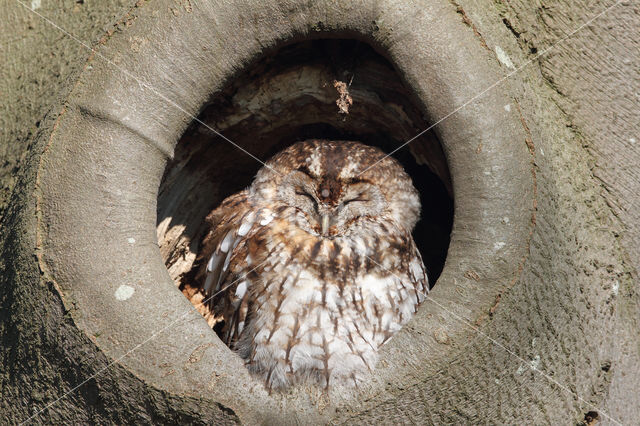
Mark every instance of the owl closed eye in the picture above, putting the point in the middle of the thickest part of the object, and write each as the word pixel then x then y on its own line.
pixel 313 267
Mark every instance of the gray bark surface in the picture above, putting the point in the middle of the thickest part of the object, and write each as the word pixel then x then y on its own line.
pixel 38 65
pixel 560 340
pixel 592 79
pixel 41 354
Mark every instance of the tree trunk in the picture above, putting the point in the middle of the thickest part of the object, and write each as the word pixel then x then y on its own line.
pixel 535 317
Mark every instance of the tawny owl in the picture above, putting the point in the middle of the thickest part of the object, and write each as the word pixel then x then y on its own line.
pixel 314 264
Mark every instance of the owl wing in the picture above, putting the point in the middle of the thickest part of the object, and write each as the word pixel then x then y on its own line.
pixel 224 260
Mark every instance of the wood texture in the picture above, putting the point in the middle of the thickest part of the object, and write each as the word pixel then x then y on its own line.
pixel 560 343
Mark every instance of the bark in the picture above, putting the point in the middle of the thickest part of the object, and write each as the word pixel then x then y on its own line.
pixel 39 65
pixel 536 321
pixel 41 355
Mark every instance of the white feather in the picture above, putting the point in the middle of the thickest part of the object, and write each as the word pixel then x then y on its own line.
pixel 376 286
pixel 267 220
pixel 241 289
pixel 246 225
pixel 226 265
pixel 226 242
pixel 210 264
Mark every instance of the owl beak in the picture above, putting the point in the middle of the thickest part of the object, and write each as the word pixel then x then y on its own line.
pixel 325 223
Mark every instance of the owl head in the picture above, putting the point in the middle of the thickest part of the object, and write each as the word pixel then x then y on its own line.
pixel 334 186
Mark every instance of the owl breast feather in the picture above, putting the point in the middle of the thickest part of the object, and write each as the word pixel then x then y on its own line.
pixel 299 307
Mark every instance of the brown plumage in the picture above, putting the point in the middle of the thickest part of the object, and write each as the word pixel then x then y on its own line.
pixel 313 267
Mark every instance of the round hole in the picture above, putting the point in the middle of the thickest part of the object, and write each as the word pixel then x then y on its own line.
pixel 318 89
pixel 96 193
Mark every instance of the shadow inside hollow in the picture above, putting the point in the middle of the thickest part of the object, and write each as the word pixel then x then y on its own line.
pixel 287 97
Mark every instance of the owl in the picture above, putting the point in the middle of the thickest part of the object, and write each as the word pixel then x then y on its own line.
pixel 313 267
